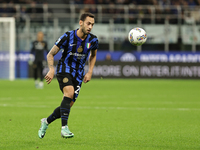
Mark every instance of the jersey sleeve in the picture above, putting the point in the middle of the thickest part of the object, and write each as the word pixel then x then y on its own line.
pixel 61 42
pixel 95 45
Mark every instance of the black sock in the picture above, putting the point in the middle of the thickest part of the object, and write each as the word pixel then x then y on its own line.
pixel 65 110
pixel 55 115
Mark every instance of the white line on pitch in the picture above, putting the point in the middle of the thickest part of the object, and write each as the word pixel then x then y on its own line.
pixel 105 108
pixel 26 106
pixel 136 108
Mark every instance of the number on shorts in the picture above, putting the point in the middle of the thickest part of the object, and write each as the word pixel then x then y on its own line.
pixel 78 89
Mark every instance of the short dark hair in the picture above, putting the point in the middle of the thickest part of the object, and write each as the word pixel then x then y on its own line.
pixel 86 14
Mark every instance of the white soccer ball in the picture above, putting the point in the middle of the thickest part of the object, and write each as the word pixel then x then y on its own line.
pixel 137 36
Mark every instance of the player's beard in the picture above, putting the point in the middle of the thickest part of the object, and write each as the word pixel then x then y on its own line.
pixel 84 31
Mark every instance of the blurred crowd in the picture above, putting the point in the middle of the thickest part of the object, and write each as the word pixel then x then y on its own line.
pixel 22 1
pixel 122 2
pixel 139 2
pixel 8 8
pixel 160 10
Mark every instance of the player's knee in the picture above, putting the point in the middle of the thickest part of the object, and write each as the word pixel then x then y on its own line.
pixel 68 91
pixel 70 95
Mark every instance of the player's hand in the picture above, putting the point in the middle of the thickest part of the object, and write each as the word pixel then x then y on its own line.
pixel 31 59
pixel 87 77
pixel 49 76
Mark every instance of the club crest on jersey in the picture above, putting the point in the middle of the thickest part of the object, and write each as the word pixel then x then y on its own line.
pixel 80 49
pixel 88 45
pixel 65 80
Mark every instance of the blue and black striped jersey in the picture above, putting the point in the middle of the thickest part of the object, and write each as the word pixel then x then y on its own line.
pixel 75 53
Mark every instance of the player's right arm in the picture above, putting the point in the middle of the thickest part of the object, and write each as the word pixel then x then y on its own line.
pixel 50 60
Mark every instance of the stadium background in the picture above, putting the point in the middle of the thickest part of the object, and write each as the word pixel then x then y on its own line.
pixel 172 28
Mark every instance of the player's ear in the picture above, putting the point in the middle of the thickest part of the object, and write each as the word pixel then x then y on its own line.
pixel 80 22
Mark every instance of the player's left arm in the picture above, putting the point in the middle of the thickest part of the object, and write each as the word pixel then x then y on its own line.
pixel 92 61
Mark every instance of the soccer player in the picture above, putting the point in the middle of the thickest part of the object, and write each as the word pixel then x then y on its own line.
pixel 76 45
pixel 39 47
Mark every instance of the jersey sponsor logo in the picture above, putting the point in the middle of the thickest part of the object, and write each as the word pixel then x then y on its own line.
pixel 72 44
pixel 79 56
pixel 80 49
pixel 65 80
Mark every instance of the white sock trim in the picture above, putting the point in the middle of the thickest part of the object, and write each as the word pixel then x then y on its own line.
pixel 64 127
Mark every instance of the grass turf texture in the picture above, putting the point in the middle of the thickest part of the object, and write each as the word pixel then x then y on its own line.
pixel 109 114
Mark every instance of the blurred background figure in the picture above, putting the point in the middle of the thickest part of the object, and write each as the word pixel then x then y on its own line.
pixel 37 59
pixel 108 57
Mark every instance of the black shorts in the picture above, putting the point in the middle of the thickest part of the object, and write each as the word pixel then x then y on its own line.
pixel 66 80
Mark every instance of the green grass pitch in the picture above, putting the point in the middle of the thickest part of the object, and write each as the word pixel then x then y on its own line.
pixel 109 114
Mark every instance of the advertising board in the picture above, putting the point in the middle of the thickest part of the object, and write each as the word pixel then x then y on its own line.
pixel 145 70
